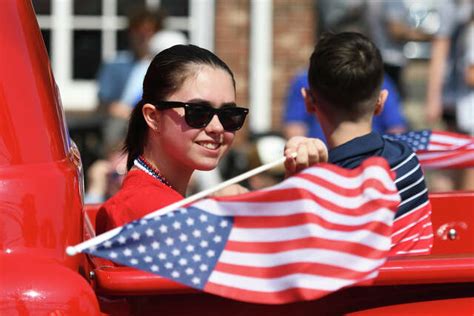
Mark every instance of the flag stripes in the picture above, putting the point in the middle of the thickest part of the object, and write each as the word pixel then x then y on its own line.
pixel 314 233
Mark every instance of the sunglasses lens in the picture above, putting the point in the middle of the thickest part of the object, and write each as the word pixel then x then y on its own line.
pixel 232 119
pixel 198 116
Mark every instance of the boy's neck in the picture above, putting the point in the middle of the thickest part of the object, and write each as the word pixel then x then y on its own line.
pixel 345 131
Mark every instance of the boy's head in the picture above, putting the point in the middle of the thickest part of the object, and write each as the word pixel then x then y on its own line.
pixel 345 76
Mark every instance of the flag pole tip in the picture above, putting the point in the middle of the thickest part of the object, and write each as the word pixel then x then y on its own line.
pixel 71 251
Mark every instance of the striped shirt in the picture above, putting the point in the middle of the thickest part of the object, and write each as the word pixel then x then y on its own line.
pixel 412 231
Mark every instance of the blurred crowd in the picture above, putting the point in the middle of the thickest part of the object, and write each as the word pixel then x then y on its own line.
pixel 439 32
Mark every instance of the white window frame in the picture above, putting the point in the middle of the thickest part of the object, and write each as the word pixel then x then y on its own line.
pixel 81 95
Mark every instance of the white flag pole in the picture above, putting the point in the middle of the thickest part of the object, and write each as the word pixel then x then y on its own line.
pixel 73 250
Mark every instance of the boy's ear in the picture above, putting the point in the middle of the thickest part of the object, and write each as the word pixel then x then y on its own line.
pixel 151 116
pixel 308 100
pixel 381 102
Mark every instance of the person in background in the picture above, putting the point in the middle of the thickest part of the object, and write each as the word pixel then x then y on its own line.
pixel 186 121
pixel 465 103
pixel 447 84
pixel 345 79
pixel 390 29
pixel 298 122
pixel 114 99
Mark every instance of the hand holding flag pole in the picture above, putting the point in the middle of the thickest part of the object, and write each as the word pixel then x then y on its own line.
pixel 73 250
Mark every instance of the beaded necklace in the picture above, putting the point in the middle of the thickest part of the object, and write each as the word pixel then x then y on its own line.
pixel 144 165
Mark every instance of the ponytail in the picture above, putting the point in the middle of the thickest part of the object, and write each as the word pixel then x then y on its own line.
pixel 136 135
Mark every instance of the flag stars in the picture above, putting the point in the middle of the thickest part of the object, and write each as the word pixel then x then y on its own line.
pixel 170 214
pixel 163 229
pixel 177 225
pixel 183 237
pixel 143 221
pixel 162 256
pixel 169 241
pixel 149 232
pixel 141 249
pixel 175 274
pixel 135 236
pixel 184 247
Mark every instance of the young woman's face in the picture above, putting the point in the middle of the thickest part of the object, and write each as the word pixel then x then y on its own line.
pixel 198 148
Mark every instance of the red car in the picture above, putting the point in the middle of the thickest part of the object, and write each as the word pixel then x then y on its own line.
pixel 41 213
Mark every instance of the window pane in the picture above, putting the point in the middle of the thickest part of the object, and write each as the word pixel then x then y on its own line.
pixel 125 7
pixel 87 7
pixel 87 54
pixel 122 40
pixel 47 40
pixel 176 7
pixel 42 6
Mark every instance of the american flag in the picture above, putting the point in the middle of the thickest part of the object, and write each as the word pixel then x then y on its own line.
pixel 316 232
pixel 439 149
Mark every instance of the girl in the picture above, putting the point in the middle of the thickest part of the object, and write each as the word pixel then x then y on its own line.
pixel 186 120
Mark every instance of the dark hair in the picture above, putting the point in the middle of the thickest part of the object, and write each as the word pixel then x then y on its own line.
pixel 346 73
pixel 165 75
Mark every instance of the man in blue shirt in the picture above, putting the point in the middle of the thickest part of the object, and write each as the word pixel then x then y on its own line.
pixel 345 79
pixel 298 122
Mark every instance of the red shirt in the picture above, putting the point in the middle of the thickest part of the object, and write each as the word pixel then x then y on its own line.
pixel 139 195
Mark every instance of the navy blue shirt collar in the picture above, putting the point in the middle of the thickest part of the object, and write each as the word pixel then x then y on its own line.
pixel 362 146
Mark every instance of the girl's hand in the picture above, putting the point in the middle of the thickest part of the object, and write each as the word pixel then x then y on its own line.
pixel 308 152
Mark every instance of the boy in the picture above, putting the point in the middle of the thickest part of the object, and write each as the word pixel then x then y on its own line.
pixel 345 77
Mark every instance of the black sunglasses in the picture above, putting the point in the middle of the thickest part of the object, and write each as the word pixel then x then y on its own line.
pixel 198 115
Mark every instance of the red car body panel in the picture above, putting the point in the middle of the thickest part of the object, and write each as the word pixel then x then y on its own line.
pixel 40 180
pixel 41 213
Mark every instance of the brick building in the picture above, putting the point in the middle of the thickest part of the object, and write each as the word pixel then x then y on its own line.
pixel 265 42
pixel 290 36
